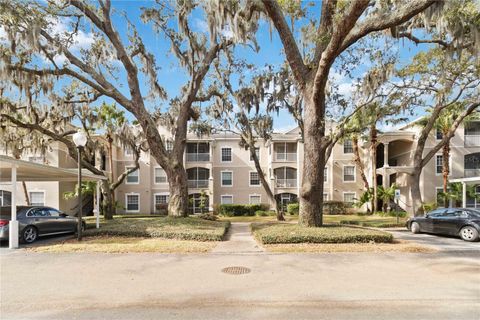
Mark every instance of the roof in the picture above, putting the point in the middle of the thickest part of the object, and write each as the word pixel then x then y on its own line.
pixel 469 180
pixel 31 171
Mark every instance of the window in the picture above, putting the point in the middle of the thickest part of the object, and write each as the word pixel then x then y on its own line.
pixel 161 199
pixel 133 202
pixel 254 178
pixel 255 199
pixel 227 178
pixel 438 134
pixel 347 146
pixel 257 152
pixel 5 198
pixel 160 176
pixel 36 159
pixel 226 199
pixel 439 164
pixel 226 154
pixel 53 213
pixel 37 198
pixel 349 174
pixel 169 145
pixel 325 197
pixel 349 197
pixel 128 152
pixel 325 174
pixel 132 177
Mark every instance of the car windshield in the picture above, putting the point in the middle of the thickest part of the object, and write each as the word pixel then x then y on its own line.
pixel 475 213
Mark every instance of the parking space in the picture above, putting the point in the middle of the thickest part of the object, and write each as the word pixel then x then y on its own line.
pixel 443 243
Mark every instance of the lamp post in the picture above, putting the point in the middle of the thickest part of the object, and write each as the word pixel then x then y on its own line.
pixel 80 140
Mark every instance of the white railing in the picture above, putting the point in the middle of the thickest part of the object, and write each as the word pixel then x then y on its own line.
pixel 198 157
pixel 286 183
pixel 197 184
pixel 472 173
pixel 291 156
pixel 472 140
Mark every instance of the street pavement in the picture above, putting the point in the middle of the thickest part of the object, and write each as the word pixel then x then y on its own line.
pixel 441 285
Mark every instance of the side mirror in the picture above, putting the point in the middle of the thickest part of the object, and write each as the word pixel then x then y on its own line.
pixel 63 215
pixel 427 216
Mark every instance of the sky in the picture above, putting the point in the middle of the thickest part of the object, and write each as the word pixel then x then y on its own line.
pixel 172 77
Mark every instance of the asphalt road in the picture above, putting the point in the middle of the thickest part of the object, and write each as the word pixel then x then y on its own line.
pixel 444 285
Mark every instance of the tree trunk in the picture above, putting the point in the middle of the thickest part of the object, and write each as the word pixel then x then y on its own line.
pixel 358 162
pixel 311 193
pixel 25 191
pixel 373 146
pixel 107 203
pixel 446 170
pixel 178 187
pixel 264 182
pixel 110 152
pixel 414 181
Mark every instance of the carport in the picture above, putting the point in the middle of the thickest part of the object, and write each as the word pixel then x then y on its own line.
pixel 14 170
pixel 465 182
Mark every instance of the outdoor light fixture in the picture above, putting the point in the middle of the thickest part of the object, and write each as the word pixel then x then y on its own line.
pixel 80 140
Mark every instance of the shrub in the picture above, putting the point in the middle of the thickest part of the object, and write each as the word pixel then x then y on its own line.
pixel 373 224
pixel 401 214
pixel 335 207
pixel 235 210
pixel 272 233
pixel 208 216
pixel 293 208
pixel 162 208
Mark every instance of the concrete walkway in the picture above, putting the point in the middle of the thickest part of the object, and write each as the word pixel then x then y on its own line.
pixel 239 240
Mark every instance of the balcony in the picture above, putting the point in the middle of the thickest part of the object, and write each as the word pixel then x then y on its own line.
pixel 472 173
pixel 286 183
pixel 472 140
pixel 197 184
pixel 198 157
pixel 286 157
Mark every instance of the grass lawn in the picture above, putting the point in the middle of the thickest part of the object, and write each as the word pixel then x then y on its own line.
pixel 275 233
pixel 115 244
pixel 365 221
pixel 190 228
pixel 396 246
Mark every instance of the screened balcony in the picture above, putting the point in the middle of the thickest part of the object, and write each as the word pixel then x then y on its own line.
pixel 472 165
pixel 198 178
pixel 285 151
pixel 285 177
pixel 472 134
pixel 198 152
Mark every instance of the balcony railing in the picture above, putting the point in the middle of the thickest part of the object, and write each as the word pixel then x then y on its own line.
pixel 472 140
pixel 291 156
pixel 197 184
pixel 286 183
pixel 472 173
pixel 198 157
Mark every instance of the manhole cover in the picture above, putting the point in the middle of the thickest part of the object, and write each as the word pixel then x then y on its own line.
pixel 236 270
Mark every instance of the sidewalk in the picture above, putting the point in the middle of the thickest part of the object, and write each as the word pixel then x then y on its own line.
pixel 239 240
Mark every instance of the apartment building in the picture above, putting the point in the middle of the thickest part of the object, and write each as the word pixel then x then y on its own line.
pixel 219 171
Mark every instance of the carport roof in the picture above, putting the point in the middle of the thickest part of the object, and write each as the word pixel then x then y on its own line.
pixel 31 171
pixel 469 180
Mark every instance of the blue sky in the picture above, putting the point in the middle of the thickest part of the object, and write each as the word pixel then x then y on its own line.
pixel 172 77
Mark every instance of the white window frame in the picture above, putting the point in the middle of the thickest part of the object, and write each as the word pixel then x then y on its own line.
pixel 325 174
pixel 226 195
pixel 349 192
pixel 325 196
pixel 258 155
pixel 354 173
pixel 126 201
pixel 250 179
pixel 221 154
pixel 37 191
pixel 126 178
pixel 254 195
pixel 221 178
pixel 344 146
pixel 160 194
pixel 128 152
pixel 436 134
pixel 155 175
pixel 449 165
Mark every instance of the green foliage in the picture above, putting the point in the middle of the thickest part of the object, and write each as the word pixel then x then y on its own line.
pixel 429 206
pixel 272 233
pixel 373 224
pixel 455 194
pixel 235 210
pixel 191 228
pixel 365 198
pixel 335 207
pixel 386 195
pixel 208 216
pixel 293 208
pixel 401 214
pixel 88 188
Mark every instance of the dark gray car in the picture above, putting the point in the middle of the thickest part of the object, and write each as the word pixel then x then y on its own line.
pixel 37 221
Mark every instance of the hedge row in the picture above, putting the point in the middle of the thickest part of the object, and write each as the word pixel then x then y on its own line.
pixel 235 210
pixel 374 224
pixel 272 233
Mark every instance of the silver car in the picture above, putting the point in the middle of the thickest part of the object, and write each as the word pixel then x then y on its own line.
pixel 36 221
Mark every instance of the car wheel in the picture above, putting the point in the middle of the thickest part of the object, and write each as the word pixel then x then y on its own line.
pixel 469 233
pixel 29 234
pixel 415 227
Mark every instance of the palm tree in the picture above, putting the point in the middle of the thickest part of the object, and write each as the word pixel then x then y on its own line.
pixel 364 199
pixel 454 194
pixel 386 194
